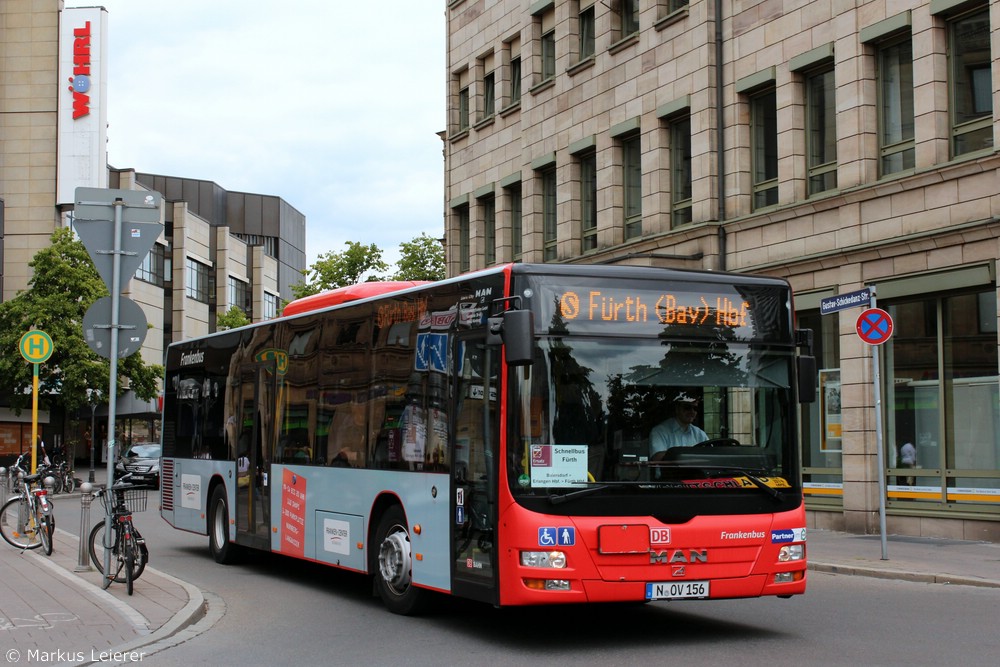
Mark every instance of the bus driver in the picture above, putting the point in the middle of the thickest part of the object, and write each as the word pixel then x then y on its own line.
pixel 679 430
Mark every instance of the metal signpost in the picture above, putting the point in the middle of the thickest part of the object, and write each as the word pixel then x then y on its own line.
pixel 36 348
pixel 874 327
pixel 118 228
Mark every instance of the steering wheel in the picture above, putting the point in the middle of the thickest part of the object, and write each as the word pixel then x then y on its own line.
pixel 719 442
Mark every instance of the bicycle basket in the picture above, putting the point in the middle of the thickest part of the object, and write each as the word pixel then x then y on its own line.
pixel 134 499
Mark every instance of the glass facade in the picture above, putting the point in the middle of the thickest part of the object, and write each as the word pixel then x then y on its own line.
pixel 942 436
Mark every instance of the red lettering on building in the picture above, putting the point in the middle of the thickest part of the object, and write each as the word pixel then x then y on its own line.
pixel 80 81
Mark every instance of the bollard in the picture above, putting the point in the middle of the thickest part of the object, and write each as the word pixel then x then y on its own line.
pixel 86 498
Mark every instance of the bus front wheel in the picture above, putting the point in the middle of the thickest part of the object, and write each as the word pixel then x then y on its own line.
pixel 394 575
pixel 223 551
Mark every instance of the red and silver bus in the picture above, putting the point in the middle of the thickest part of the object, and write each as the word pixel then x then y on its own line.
pixel 488 436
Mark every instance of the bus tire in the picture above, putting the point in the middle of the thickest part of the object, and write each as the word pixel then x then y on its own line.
pixel 394 565
pixel 223 551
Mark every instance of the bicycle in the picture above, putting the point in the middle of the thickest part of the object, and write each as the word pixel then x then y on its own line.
pixel 27 520
pixel 64 476
pixel 12 483
pixel 128 548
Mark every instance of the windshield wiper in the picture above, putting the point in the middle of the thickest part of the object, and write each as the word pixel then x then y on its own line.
pixel 762 485
pixel 559 498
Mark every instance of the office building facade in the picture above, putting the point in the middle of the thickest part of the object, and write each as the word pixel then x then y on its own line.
pixel 218 249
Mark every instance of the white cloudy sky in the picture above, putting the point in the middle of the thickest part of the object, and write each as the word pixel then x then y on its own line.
pixel 331 105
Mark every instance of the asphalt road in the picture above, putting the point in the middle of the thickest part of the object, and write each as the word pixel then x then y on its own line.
pixel 277 610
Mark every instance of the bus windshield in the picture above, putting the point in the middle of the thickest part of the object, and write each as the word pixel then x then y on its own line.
pixel 654 414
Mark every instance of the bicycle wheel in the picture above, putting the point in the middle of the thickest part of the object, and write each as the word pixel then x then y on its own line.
pixel 141 554
pixel 45 530
pixel 96 547
pixel 128 554
pixel 17 525
pixel 69 483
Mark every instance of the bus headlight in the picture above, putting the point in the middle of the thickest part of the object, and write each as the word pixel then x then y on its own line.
pixel 553 559
pixel 791 552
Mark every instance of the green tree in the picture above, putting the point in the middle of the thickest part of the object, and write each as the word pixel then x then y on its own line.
pixel 231 319
pixel 359 263
pixel 420 259
pixel 63 286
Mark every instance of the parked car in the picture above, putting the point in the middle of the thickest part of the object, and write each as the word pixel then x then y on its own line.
pixel 143 461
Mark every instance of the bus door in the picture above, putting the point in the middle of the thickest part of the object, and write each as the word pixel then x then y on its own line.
pixel 474 470
pixel 253 497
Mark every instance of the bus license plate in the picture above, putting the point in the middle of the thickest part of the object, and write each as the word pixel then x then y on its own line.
pixel 676 590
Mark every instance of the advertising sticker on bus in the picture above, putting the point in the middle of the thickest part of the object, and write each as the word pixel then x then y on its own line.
pixel 293 513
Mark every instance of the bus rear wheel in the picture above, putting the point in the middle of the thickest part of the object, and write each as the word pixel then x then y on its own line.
pixel 394 574
pixel 223 551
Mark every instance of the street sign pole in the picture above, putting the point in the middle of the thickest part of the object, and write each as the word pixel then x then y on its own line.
pixel 95 209
pixel 116 265
pixel 36 348
pixel 880 454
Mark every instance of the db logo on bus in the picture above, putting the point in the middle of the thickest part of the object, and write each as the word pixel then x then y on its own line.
pixel 659 536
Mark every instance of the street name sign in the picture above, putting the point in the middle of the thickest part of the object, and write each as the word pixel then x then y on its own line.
pixel 832 304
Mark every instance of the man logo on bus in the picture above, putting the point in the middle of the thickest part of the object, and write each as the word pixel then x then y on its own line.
pixel 678 556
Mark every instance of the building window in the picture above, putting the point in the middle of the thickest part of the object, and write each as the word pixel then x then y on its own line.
pixel 270 306
pixel 463 109
pixel 239 294
pixel 464 234
pixel 668 7
pixel 516 228
pixel 895 85
pixel 197 284
pixel 680 171
pixel 587 32
pixel 971 82
pixel 515 80
pixel 942 388
pixel 821 132
pixel 628 18
pixel 632 185
pixel 548 46
pixel 588 201
pixel 548 181
pixel 764 148
pixel 489 95
pixel 152 269
pixel 269 243
pixel 489 205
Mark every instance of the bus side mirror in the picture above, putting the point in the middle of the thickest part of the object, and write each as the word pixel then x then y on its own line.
pixel 806 366
pixel 516 330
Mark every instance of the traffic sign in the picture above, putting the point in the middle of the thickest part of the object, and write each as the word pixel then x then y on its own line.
pixel 97 327
pixel 844 301
pixel 36 347
pixel 874 326
pixel 94 221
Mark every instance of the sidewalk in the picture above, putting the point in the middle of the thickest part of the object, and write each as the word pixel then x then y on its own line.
pixel 52 611
pixel 52 614
pixel 924 559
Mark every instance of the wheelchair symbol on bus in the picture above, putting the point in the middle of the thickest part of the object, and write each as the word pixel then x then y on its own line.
pixel 550 536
